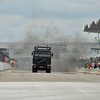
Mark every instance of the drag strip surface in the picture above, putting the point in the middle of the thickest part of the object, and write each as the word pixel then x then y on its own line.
pixel 25 75
pixel 49 91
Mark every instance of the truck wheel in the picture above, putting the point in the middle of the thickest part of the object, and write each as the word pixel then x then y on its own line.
pixel 34 70
pixel 48 70
pixel 17 66
pixel 12 65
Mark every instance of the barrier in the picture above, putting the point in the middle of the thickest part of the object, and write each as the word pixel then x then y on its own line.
pixel 4 66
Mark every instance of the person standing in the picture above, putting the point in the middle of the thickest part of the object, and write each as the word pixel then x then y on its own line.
pixel 86 66
pixel 95 66
pixel 89 66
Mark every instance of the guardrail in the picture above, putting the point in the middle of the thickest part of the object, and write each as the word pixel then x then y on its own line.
pixel 88 71
pixel 4 66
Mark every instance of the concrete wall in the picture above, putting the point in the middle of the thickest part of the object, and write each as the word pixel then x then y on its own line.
pixel 4 66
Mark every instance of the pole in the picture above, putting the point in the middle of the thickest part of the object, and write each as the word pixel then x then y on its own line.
pixel 99 39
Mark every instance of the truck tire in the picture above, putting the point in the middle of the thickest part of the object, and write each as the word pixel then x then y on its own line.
pixel 17 66
pixel 48 70
pixel 12 65
pixel 34 70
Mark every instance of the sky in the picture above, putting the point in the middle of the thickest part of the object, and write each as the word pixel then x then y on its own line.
pixel 46 19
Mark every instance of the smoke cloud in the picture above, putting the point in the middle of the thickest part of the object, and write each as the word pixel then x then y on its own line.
pixel 65 63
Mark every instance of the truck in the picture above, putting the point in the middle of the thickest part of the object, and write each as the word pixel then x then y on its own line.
pixel 4 55
pixel 41 58
pixel 14 62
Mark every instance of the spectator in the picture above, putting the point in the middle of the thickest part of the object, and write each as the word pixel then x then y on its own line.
pixel 89 66
pixel 86 66
pixel 1 60
pixel 99 66
pixel 95 66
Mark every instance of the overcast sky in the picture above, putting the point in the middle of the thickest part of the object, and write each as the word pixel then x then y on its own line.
pixel 46 18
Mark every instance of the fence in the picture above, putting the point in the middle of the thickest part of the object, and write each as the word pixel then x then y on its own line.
pixel 59 40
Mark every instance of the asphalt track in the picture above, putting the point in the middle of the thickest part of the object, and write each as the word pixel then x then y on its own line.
pixel 25 75
pixel 49 91
pixel 22 84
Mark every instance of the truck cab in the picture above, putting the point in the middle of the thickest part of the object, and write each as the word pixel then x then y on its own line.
pixel 41 58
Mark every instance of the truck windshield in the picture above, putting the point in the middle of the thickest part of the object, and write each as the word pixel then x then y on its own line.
pixel 42 53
